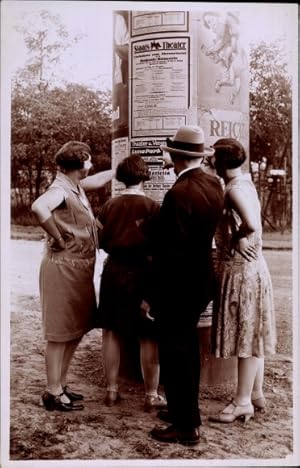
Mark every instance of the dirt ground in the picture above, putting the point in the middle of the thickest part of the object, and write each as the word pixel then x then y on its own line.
pixel 121 432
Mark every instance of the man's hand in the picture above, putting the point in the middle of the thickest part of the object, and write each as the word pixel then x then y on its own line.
pixel 145 310
pixel 167 162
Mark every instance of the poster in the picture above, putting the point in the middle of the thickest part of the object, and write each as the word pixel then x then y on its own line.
pixel 222 87
pixel 119 151
pixel 160 94
pixel 149 22
pixel 120 74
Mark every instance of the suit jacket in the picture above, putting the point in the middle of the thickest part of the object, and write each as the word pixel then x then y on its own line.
pixel 183 269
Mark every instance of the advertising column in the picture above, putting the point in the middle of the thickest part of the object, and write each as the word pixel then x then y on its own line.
pixel 174 68
pixel 156 49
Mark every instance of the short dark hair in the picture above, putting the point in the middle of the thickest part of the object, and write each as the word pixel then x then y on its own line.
pixel 229 153
pixel 71 155
pixel 132 170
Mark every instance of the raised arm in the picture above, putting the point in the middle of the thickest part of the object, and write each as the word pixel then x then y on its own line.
pixel 95 181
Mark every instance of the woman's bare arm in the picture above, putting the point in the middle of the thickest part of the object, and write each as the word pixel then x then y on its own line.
pixel 95 181
pixel 43 207
pixel 244 208
pixel 46 203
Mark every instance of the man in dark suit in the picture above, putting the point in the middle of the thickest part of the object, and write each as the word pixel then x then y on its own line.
pixel 184 280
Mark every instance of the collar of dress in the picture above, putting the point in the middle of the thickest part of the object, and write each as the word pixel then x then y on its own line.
pixel 66 180
pixel 129 191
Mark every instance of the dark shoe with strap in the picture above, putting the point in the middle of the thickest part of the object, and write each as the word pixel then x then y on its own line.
pixel 173 435
pixel 53 402
pixel 164 415
pixel 72 395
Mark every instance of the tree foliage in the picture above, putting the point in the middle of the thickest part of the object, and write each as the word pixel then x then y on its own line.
pixel 44 116
pixel 270 103
pixel 271 132
pixel 42 123
pixel 45 38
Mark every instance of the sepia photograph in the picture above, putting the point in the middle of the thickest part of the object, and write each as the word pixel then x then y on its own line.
pixel 149 234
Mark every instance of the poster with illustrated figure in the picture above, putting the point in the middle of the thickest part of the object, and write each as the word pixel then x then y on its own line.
pixel 120 94
pixel 223 56
pixel 222 76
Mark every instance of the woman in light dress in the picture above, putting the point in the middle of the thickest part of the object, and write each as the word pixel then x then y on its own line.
pixel 66 274
pixel 244 316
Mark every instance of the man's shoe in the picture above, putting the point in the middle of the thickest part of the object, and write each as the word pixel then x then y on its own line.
pixel 172 435
pixel 154 402
pixel 72 395
pixel 164 415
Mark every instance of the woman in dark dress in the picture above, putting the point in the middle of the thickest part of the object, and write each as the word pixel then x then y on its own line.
pixel 127 222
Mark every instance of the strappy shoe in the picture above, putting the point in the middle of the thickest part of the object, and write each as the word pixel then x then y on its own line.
pixel 53 402
pixel 153 402
pixel 243 412
pixel 112 397
pixel 260 404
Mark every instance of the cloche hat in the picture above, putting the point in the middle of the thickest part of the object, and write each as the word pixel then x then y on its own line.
pixel 188 141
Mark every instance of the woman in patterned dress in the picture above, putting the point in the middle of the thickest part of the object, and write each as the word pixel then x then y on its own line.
pixel 67 268
pixel 244 317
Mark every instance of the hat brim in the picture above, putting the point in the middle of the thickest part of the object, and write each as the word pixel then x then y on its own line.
pixel 207 152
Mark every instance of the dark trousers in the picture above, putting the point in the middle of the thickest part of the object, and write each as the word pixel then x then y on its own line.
pixel 180 375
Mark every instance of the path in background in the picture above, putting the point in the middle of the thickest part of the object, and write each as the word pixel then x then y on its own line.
pixel 271 239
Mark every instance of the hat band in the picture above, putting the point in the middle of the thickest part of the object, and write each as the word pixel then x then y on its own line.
pixel 192 147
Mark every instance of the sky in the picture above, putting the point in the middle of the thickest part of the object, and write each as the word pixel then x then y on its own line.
pixel 90 61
